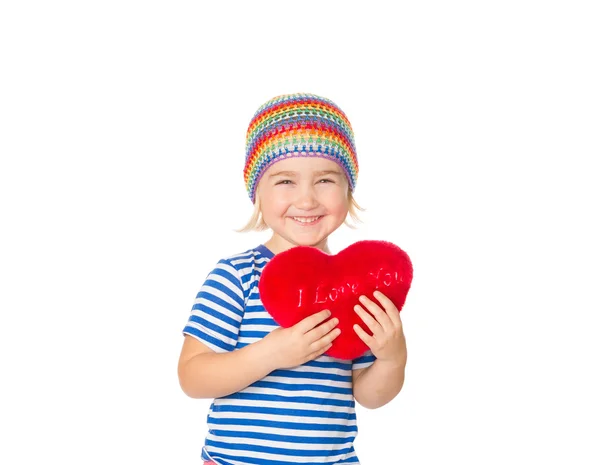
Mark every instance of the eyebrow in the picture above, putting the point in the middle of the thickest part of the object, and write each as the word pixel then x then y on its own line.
pixel 293 174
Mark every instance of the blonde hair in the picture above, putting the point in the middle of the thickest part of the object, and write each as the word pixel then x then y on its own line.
pixel 256 222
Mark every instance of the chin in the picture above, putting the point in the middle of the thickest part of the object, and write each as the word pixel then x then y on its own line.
pixel 310 243
pixel 292 239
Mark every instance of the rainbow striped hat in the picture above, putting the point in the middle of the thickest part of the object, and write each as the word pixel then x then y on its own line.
pixel 298 125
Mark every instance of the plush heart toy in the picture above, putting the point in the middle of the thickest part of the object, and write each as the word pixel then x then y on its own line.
pixel 304 280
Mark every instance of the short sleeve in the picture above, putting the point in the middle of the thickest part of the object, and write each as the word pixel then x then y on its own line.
pixel 218 309
pixel 365 360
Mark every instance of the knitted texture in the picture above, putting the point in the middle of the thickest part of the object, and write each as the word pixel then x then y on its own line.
pixel 298 125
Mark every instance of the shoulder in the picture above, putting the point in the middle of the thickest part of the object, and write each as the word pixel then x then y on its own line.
pixel 245 266
pixel 256 257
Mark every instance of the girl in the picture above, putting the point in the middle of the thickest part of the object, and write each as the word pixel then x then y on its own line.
pixel 278 400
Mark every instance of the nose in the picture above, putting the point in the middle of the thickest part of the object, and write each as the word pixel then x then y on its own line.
pixel 307 198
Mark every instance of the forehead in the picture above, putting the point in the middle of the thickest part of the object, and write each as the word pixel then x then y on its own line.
pixel 303 166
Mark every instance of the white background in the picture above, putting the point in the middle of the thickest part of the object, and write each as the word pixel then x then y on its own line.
pixel 122 130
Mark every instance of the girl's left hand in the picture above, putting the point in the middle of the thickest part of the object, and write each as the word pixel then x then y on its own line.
pixel 388 342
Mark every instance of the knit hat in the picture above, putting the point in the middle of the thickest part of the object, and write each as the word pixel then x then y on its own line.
pixel 298 125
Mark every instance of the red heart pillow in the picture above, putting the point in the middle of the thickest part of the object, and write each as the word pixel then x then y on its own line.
pixel 304 280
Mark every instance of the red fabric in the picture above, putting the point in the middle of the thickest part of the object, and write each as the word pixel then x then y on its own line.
pixel 304 280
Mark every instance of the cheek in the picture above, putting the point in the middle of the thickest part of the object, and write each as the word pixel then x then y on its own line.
pixel 337 201
pixel 273 205
pixel 342 209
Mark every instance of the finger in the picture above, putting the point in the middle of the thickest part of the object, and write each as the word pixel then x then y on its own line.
pixel 371 322
pixel 313 320
pixel 317 333
pixel 325 340
pixel 318 353
pixel 362 334
pixel 389 307
pixel 380 315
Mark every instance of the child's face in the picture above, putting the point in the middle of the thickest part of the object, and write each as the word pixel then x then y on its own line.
pixel 303 200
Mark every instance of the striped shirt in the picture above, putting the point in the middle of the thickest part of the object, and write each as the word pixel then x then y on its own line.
pixel 302 415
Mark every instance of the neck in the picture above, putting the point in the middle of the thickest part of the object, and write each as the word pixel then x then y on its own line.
pixel 278 244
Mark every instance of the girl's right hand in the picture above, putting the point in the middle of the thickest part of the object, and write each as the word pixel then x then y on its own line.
pixel 301 343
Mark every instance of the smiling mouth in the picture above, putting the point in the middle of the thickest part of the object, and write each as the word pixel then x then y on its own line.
pixel 308 220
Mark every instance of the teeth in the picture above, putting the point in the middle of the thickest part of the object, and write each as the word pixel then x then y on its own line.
pixel 306 220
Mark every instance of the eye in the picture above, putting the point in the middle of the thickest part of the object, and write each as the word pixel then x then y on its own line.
pixel 285 181
pixel 326 180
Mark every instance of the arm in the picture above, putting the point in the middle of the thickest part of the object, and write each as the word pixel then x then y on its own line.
pixel 375 386
pixel 378 384
pixel 208 357
pixel 204 373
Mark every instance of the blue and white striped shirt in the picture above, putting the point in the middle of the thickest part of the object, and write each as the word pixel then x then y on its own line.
pixel 302 415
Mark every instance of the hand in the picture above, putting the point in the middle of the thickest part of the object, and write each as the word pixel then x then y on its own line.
pixel 305 341
pixel 387 342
